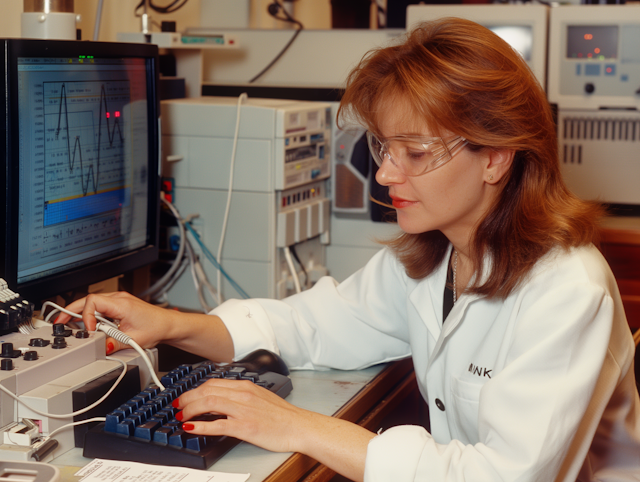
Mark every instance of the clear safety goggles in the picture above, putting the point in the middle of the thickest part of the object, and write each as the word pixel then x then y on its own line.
pixel 414 155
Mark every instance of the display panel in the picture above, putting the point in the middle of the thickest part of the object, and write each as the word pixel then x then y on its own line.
pixel 598 42
pixel 520 37
pixel 82 163
pixel 523 26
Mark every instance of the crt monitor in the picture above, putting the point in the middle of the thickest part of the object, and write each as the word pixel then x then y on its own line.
pixel 523 26
pixel 80 154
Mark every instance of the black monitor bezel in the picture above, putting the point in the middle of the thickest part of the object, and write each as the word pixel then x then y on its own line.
pixel 75 278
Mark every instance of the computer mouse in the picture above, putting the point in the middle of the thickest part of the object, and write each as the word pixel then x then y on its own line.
pixel 261 361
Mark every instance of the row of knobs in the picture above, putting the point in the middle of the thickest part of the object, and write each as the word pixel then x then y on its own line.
pixel 589 88
pixel 60 333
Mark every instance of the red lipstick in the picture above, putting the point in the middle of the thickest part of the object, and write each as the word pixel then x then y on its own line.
pixel 400 203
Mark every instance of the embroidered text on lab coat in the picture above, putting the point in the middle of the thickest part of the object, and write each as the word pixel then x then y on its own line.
pixel 480 371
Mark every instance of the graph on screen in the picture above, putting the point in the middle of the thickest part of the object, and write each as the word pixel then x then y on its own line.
pixel 86 167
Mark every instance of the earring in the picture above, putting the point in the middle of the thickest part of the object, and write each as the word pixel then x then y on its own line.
pixel 490 177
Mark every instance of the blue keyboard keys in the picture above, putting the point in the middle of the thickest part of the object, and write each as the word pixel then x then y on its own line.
pixel 177 438
pixel 162 434
pixel 195 442
pixel 126 427
pixel 145 429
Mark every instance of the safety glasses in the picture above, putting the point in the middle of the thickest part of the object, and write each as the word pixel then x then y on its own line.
pixel 414 155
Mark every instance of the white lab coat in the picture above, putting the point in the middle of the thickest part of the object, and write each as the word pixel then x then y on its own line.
pixel 537 387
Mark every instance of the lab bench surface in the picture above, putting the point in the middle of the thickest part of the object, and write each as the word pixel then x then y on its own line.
pixel 365 397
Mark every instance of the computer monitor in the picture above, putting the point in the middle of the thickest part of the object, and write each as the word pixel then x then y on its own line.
pixel 524 26
pixel 80 163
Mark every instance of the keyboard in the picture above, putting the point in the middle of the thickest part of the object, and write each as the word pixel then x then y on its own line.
pixel 144 429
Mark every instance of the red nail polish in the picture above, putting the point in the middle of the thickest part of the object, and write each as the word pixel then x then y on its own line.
pixel 110 348
pixel 179 416
pixel 176 403
pixel 187 426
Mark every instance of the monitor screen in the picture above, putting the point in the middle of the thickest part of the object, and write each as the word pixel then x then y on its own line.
pixel 520 37
pixel 82 163
pixel 598 42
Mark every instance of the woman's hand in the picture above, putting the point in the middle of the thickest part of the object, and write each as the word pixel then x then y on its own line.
pixel 143 322
pixel 253 413
pixel 148 325
pixel 258 416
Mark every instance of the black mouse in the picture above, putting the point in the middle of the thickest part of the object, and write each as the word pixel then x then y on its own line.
pixel 261 361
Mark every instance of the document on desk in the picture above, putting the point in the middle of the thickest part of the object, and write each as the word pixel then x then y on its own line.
pixel 118 471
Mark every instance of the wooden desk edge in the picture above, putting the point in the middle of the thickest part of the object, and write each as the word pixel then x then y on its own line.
pixel 620 230
pixel 357 409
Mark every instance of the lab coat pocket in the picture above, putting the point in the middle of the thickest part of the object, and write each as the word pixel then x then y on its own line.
pixel 465 397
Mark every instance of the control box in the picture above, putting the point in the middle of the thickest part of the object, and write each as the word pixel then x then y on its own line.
pixel 44 369
pixel 594 59
pixel 279 185
pixel 594 79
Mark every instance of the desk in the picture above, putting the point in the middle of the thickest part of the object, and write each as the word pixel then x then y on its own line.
pixel 363 396
pixel 620 245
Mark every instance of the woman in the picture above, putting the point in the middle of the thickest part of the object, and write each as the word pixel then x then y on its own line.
pixel 512 317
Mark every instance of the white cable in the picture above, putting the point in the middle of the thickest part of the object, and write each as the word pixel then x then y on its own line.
pixel 40 442
pixel 204 283
pixel 26 328
pixel 96 27
pixel 110 329
pixel 292 269
pixel 127 340
pixel 58 308
pixel 162 292
pixel 178 260
pixel 78 412
pixel 199 279
pixel 73 424
pixel 241 98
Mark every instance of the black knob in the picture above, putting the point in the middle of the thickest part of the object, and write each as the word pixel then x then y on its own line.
pixel 6 364
pixel 589 88
pixel 9 352
pixel 60 330
pixel 59 342
pixel 82 334
pixel 39 342
pixel 7 349
pixel 31 355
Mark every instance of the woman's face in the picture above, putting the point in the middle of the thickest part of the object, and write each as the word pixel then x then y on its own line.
pixel 452 198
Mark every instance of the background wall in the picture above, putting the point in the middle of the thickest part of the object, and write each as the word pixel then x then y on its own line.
pixel 118 16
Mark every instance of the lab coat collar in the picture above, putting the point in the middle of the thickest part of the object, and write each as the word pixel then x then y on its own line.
pixel 427 299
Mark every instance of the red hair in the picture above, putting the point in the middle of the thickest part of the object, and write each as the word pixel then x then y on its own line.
pixel 462 78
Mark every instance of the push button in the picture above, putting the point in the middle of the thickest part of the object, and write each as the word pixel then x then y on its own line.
pixel 439 404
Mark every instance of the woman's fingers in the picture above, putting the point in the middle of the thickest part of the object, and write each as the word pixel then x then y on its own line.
pixel 106 304
pixel 139 320
pixel 114 345
pixel 252 413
